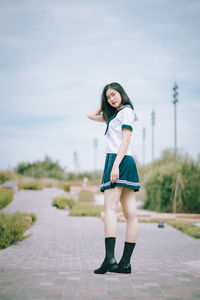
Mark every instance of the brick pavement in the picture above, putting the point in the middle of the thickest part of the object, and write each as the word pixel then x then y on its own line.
pixel 57 261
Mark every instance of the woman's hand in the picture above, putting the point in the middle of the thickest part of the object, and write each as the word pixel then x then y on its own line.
pixel 114 175
pixel 96 115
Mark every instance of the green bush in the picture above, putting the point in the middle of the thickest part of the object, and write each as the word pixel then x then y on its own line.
pixel 61 202
pixel 86 209
pixel 160 183
pixel 85 196
pixel 71 202
pixel 42 169
pixel 190 194
pixel 33 216
pixel 31 185
pixel 6 196
pixel 66 187
pixel 13 227
pixel 4 176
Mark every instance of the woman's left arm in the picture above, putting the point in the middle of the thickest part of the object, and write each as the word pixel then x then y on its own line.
pixel 126 137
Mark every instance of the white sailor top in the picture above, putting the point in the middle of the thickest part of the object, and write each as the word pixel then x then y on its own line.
pixel 124 117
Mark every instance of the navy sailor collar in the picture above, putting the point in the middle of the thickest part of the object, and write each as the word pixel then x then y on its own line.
pixel 111 118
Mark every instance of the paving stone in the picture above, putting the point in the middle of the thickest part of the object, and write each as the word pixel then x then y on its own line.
pixel 57 261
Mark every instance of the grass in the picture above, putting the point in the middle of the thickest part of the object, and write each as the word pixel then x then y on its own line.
pixel 13 227
pixel 62 201
pixel 148 221
pixel 86 196
pixel 82 207
pixel 185 227
pixel 86 209
pixel 6 196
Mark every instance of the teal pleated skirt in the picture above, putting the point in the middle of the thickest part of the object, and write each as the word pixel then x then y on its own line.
pixel 128 175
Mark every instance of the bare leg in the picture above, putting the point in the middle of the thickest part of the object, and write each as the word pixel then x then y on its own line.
pixel 128 203
pixel 111 202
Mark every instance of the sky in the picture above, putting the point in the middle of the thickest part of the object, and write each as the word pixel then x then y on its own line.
pixel 57 56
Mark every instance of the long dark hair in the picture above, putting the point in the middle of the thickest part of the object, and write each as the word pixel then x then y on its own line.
pixel 107 109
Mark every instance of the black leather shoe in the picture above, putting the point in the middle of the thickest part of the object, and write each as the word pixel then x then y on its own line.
pixel 109 264
pixel 123 268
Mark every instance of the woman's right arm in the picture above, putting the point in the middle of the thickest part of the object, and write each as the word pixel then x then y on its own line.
pixel 95 115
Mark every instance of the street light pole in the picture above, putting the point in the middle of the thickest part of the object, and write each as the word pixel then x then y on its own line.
pixel 175 94
pixel 153 123
pixel 143 150
pixel 95 157
pixel 76 164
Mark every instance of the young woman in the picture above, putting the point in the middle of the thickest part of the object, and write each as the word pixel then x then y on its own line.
pixel 120 178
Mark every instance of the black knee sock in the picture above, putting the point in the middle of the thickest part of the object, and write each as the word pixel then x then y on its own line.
pixel 110 247
pixel 128 250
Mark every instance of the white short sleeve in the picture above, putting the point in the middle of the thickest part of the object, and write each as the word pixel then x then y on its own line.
pixel 128 117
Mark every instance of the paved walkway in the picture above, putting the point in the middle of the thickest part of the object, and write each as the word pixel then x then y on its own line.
pixel 57 261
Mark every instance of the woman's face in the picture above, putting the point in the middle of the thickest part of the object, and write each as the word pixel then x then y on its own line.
pixel 114 98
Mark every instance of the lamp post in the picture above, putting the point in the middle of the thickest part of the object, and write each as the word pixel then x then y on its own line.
pixel 143 148
pixel 76 164
pixel 175 94
pixel 95 157
pixel 153 123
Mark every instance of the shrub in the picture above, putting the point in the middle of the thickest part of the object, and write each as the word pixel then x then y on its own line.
pixel 13 227
pixel 32 215
pixel 61 202
pixel 160 185
pixel 66 187
pixel 86 209
pixel 85 196
pixel 30 185
pixel 190 194
pixel 71 202
pixel 42 169
pixel 6 196
pixel 4 176
pixel 160 182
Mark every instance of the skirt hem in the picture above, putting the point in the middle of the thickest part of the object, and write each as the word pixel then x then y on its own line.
pixel 136 189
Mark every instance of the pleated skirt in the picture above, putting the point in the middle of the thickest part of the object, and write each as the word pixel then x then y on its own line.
pixel 128 175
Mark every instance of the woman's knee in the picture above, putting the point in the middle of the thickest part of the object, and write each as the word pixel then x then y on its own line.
pixel 130 214
pixel 110 208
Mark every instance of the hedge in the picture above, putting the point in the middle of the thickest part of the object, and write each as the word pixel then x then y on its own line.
pixel 13 227
pixel 61 202
pixel 4 176
pixel 6 196
pixel 160 184
pixel 31 185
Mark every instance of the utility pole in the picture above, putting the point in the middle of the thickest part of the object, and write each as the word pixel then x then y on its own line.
pixel 143 147
pixel 95 157
pixel 175 94
pixel 76 163
pixel 153 123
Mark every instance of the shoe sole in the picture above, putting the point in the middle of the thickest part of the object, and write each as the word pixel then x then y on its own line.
pixel 111 269
pixel 121 271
